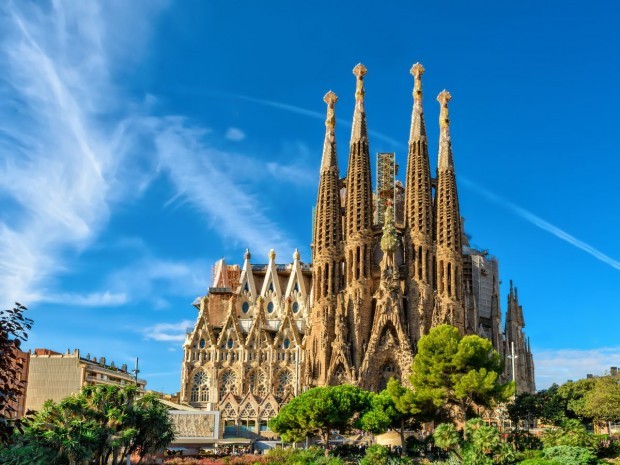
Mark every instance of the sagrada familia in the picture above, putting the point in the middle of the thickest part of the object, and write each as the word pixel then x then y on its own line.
pixel 386 268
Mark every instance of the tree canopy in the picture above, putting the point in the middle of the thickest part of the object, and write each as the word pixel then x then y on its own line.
pixel 14 327
pixel 320 410
pixel 102 424
pixel 456 372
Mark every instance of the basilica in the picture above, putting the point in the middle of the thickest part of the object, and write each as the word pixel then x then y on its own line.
pixel 387 266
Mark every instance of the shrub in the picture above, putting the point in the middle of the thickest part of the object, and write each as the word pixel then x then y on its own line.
pixel 523 440
pixel 571 433
pixel 570 455
pixel 539 462
pixel 376 455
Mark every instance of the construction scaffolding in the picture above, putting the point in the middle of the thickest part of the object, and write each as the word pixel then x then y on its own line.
pixel 386 176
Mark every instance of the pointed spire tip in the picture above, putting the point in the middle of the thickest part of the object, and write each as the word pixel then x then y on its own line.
pixel 330 98
pixel 360 70
pixel 444 97
pixel 417 70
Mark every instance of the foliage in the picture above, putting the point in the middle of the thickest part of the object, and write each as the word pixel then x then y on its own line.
pixel 102 424
pixel 570 455
pixel 539 462
pixel 310 456
pixel 602 402
pixel 376 455
pixel 522 440
pixel 574 394
pixel 14 327
pixel 396 407
pixel 456 372
pixel 481 444
pixel 320 410
pixel 571 433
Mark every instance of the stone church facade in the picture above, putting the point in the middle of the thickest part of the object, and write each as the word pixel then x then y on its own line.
pixel 266 332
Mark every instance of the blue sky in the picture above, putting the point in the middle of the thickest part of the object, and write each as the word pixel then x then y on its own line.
pixel 141 141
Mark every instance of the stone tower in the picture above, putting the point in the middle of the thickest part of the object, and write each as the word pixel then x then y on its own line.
pixel 358 228
pixel 517 346
pixel 419 247
pixel 449 259
pixel 267 331
pixel 326 254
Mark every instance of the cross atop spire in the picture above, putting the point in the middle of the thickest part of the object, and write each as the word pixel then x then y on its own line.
pixel 329 146
pixel 330 98
pixel 418 128
pixel 417 70
pixel 443 98
pixel 359 131
pixel 445 144
pixel 359 71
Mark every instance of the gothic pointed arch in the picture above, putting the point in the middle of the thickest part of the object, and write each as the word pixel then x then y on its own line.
pixel 247 283
pixel 271 289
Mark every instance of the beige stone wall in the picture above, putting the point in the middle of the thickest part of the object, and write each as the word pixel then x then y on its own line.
pixel 52 377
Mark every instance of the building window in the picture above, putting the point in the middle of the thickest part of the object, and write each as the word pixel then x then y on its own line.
pixel 228 383
pixel 230 343
pixel 245 308
pixel 202 343
pixel 287 343
pixel 270 307
pixel 200 387
pixel 295 307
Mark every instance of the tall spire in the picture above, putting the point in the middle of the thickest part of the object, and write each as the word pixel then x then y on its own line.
pixel 359 187
pixel 359 130
pixel 419 215
pixel 358 227
pixel 326 253
pixel 328 231
pixel 447 202
pixel 448 222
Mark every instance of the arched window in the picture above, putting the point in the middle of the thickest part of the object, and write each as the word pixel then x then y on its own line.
pixel 200 387
pixel 295 307
pixel 245 308
pixel 228 383
pixel 285 382
pixel 270 307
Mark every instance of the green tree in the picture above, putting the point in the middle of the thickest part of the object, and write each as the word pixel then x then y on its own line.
pixel 480 445
pixel 602 402
pixel 101 425
pixel 455 372
pixel 14 327
pixel 571 433
pixel 320 410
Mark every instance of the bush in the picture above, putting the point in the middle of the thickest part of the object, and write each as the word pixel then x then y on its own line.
pixel 571 433
pixel 539 462
pixel 310 456
pixel 523 440
pixel 376 455
pixel 570 455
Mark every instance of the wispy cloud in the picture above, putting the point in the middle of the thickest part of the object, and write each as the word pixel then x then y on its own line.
pixel 55 159
pixel 542 224
pixel 234 134
pixel 558 366
pixel 168 332
pixel 315 114
pixel 72 144
pixel 95 299
pixel 195 168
